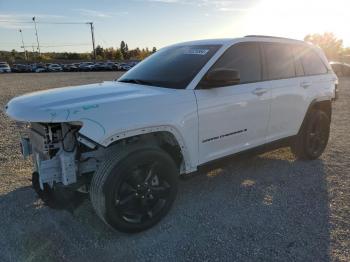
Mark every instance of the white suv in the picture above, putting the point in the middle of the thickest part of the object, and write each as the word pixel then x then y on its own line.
pixel 4 67
pixel 126 141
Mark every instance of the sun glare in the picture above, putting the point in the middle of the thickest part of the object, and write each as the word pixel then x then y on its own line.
pixel 298 17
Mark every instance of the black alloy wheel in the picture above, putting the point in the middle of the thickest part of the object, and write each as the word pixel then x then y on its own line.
pixel 143 193
pixel 133 191
pixel 313 137
pixel 317 135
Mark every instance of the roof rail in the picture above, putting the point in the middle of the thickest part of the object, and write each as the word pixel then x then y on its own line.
pixel 275 37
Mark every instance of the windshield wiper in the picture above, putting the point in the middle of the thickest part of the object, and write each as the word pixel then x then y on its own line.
pixel 137 81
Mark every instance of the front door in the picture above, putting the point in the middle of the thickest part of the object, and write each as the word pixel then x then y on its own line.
pixel 234 118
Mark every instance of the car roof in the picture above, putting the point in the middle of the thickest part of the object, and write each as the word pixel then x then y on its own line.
pixel 248 38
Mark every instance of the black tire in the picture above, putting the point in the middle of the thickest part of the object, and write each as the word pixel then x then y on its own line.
pixel 57 197
pixel 313 137
pixel 124 194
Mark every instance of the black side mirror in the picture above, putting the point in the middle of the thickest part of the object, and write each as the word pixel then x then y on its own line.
pixel 220 77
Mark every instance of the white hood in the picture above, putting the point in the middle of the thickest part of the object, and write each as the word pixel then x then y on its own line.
pixel 107 108
pixel 72 103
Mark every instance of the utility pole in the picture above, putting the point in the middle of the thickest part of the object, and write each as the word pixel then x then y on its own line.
pixel 23 46
pixel 36 33
pixel 93 38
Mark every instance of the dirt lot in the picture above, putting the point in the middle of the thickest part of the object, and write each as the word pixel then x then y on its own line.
pixel 258 208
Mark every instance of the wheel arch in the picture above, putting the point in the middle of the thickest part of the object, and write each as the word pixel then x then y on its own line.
pixel 323 105
pixel 167 137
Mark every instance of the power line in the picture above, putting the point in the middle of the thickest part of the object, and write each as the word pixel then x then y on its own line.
pixel 64 23
pixel 48 23
pixel 16 22
pixel 47 43
pixel 61 45
pixel 91 25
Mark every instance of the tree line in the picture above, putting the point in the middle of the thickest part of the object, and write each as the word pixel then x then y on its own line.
pixel 119 53
pixel 123 52
pixel 332 46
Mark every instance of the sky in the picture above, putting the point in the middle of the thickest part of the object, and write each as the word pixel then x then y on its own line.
pixel 148 23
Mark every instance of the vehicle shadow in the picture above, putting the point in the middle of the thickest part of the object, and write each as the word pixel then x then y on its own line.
pixel 265 207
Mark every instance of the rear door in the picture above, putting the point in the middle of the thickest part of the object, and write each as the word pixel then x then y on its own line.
pixel 295 74
pixel 318 80
pixel 287 96
pixel 234 118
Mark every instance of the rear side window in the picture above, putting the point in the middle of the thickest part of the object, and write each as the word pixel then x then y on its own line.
pixel 244 58
pixel 279 61
pixel 311 61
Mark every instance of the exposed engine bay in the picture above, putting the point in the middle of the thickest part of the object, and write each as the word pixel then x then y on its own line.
pixel 60 155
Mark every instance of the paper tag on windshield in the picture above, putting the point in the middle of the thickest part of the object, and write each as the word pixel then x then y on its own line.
pixel 196 51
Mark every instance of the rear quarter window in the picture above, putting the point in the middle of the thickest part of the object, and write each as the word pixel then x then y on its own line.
pixel 311 61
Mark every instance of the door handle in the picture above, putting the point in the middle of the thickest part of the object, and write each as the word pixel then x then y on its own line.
pixel 305 84
pixel 259 91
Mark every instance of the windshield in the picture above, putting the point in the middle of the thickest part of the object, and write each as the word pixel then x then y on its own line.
pixel 172 67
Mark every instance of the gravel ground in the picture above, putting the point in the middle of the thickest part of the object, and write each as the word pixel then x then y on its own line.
pixel 259 208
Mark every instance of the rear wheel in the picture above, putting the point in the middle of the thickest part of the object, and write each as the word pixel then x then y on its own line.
pixel 134 192
pixel 313 137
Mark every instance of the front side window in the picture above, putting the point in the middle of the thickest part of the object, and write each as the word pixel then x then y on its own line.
pixel 244 58
pixel 173 67
pixel 279 61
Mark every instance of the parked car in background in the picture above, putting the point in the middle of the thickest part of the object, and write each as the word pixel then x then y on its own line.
pixel 70 68
pixel 54 68
pixel 134 63
pixel 21 68
pixel 101 66
pixel 38 68
pixel 87 66
pixel 4 67
pixel 117 66
pixel 125 67
pixel 112 65
pixel 341 69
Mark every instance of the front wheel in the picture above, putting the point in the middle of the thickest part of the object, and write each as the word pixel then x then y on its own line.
pixel 313 137
pixel 134 192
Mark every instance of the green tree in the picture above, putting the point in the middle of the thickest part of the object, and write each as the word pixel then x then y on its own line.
pixel 99 51
pixel 331 45
pixel 85 56
pixel 73 56
pixel 109 53
pixel 119 55
pixel 135 53
pixel 124 49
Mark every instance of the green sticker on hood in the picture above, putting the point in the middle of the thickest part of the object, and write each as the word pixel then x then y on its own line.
pixel 88 107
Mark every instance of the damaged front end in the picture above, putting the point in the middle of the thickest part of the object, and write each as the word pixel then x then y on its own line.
pixel 62 158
